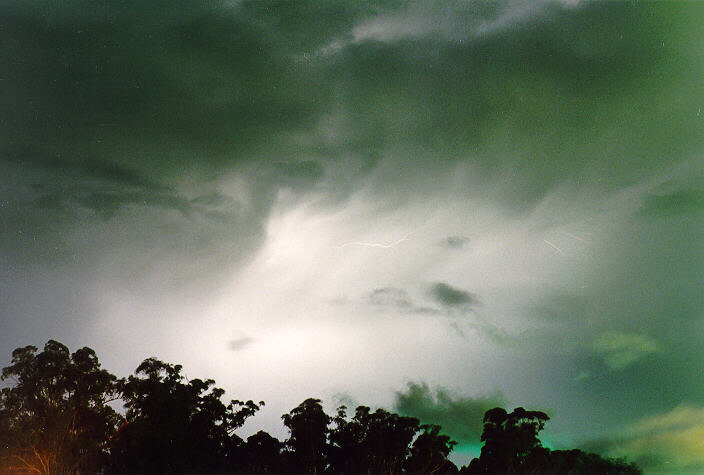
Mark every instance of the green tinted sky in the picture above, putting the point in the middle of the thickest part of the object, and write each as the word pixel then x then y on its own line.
pixel 498 202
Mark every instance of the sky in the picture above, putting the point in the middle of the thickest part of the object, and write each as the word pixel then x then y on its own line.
pixel 435 207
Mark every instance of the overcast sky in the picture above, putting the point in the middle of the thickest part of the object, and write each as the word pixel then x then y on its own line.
pixel 432 206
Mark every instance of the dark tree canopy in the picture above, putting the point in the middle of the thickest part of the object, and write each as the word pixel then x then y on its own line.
pixel 176 426
pixel 511 446
pixel 429 452
pixel 264 454
pixel 577 462
pixel 510 439
pixel 307 444
pixel 56 417
pixel 377 442
pixel 384 442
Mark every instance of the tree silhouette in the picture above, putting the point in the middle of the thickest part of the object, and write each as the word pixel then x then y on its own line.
pixel 263 453
pixel 307 443
pixel 380 442
pixel 387 438
pixel 511 446
pixel 56 417
pixel 577 462
pixel 429 452
pixel 509 439
pixel 177 426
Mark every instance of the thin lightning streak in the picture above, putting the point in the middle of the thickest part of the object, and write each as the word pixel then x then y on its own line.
pixel 573 236
pixel 373 244
pixel 553 246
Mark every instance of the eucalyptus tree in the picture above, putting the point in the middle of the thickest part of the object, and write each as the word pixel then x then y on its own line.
pixel 382 442
pixel 55 415
pixel 429 452
pixel 512 446
pixel 177 426
pixel 308 440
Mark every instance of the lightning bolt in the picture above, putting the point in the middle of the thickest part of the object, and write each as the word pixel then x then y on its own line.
pixel 553 246
pixel 573 236
pixel 373 244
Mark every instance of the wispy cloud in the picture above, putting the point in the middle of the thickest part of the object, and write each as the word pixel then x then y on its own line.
pixel 621 350
pixel 449 21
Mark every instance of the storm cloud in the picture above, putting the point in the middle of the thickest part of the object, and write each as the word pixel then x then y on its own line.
pixel 450 296
pixel 507 197
pixel 460 417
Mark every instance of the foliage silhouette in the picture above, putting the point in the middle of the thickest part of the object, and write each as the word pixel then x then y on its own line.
pixel 264 454
pixel 383 442
pixel 176 426
pixel 429 452
pixel 375 442
pixel 307 444
pixel 56 418
pixel 510 439
pixel 511 446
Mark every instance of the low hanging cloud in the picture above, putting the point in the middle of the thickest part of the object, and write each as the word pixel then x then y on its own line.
pixel 398 299
pixel 390 296
pixel 459 416
pixel 621 350
pixel 240 344
pixel 449 296
pixel 680 201
pixel 454 305
pixel 297 175
pixel 454 242
pixel 103 188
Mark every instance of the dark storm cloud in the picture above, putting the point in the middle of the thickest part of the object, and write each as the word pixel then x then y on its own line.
pixel 73 169
pixel 96 185
pixel 323 91
pixel 449 296
pixel 328 90
pixel 499 95
pixel 240 344
pixel 209 85
pixel 157 85
pixel 69 193
pixel 454 242
pixel 120 110
pixel 144 145
pixel 398 299
pixel 684 201
pixel 390 296
pixel 298 174
pixel 460 417
pixel 455 306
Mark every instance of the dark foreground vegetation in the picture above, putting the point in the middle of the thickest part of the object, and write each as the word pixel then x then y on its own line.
pixel 56 418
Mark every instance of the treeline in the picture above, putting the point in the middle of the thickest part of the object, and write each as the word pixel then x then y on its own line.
pixel 56 418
